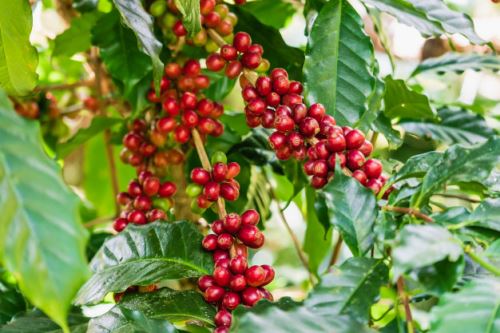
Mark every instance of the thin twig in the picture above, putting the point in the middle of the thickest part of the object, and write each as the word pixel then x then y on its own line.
pixel 457 196
pixel 107 133
pixel 483 263
pixel 205 162
pixel 409 211
pixel 293 236
pixel 336 251
pixel 404 297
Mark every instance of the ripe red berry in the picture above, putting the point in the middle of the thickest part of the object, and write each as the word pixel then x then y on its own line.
pixel 220 254
pixel 366 148
pixel 284 153
pixel 249 93
pixel 211 191
pixel 171 106
pixel 247 233
pixel 250 217
pixel 251 60
pixel 296 87
pixel 123 198
pixel 200 176
pixel 222 276
pixel 205 281
pixel 278 72
pixel 242 41
pixel 292 99
pixel 119 224
pixel 151 185
pixel 182 134
pixel 320 168
pixel 256 48
pixel 284 123
pixel 309 127
pixel 190 118
pixel 263 85
pixel 166 124
pixel 317 111
pixel 257 106
pixel 209 242
pixel 233 170
pixel 222 329
pixel 234 69
pixel 223 318
pixel 360 176
pixel 238 264
pixel 215 62
pixel 269 274
pixel 374 184
pixel 214 294
pixel 318 182
pixel 232 222
pixel 335 142
pixel 167 189
pixel 229 191
pixel 142 202
pixel 173 70
pixel 255 276
pixel 178 29
pixel 268 119
pixel 250 296
pixel 354 159
pixel 206 6
pixel 192 68
pixel 354 139
pixel 225 27
pixel 156 214
pixel 224 241
pixel 132 141
pixel 211 19
pixel 372 168
pixel 238 282
pixel 134 189
pixel 188 101
pixel 281 85
pixel 273 99
pixel 231 300
pixel 228 52
pixel 321 150
pixel 137 217
pixel 309 167
pixel 299 112
pixel 218 227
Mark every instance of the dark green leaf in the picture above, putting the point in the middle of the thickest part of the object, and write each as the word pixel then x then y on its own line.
pixel 287 316
pixel 455 126
pixel 11 302
pixel 220 86
pixel 383 125
pixel 457 62
pixel 431 18
pixel 352 208
pixel 422 245
pixel 350 288
pixel 255 148
pixel 460 164
pixel 441 276
pixel 274 13
pixel 486 215
pixel 119 51
pixel 276 50
pixel 77 38
pixel 417 166
pixel 164 304
pixel 191 18
pixel 36 322
pixel 402 102
pixel 38 208
pixel 472 309
pixel 95 242
pixel 142 255
pixel 136 18
pixel 98 125
pixel 85 5
pixel 337 68
pixel 18 59
pixel 295 174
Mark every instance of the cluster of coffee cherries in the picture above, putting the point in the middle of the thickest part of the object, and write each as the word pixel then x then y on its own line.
pixel 241 54
pixel 214 15
pixel 143 144
pixel 147 199
pixel 210 185
pixel 234 281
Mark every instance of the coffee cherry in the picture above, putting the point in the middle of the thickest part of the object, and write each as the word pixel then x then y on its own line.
pixel 218 227
pixel 251 60
pixel 222 276
pixel 211 191
pixel 225 27
pixel 318 182
pixel 234 69
pixel 231 300
pixel 215 62
pixel 171 106
pixel 263 85
pixel 205 281
pixel 167 189
pixel 360 176
pixel 309 127
pixel 292 99
pixel 134 189
pixel 277 140
pixel 250 217
pixel 284 123
pixel 219 172
pixel 374 184
pixel 119 224
pixel 142 202
pixel 233 170
pixel 321 150
pixel 209 242
pixel 284 153
pixel 173 70
pixel 273 99
pixel 200 176
pixel 249 93
pixel 250 296
pixel 192 68
pixel 132 141
pixel 229 191
pixel 268 119
pixel 336 142
pixel 166 124
pixel 372 168
pixel 354 159
pixel 232 223
pixel 206 126
pixel 281 85
pixel 214 294
pixel 188 101
pixel 182 134
pixel 317 111
pixel 354 139
pixel 239 250
pixel 212 19
pixel 224 241
pixel 220 254
pixel 242 41
pixel 221 329
pixel 257 106
pixel 137 217
pixel 320 168
pixel 277 72
pixel 295 87
pixel 224 263
pixel 255 276
pixel 178 29
pixel 223 318
pixel 269 274
pixel 206 6
pixel 238 282
pixel 228 53
pixel 156 214
pixel 238 264
pixel 247 233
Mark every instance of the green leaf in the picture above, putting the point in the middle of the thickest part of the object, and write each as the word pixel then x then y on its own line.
pixel 276 50
pixel 98 125
pixel 418 246
pixel 486 215
pixel 142 255
pixel 38 208
pixel 274 13
pixel 18 59
pixel 337 68
pixel 383 125
pixel 460 164
pixel 35 321
pixel 416 166
pixel 220 86
pixel 455 126
pixel 77 38
pixel 352 208
pixel 191 18
pixel 350 288
pixel 457 62
pixel 85 5
pixel 287 316
pixel 95 242
pixel 472 309
pixel 119 51
pixel 441 276
pixel 163 304
pixel 11 302
pixel 402 102
pixel 136 18
pixel 431 18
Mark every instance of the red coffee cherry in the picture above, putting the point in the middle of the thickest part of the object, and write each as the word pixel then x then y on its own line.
pixel 354 159
pixel 318 182
pixel 255 276
pixel 156 214
pixel 234 69
pixel 250 217
pixel 228 52
pixel 178 29
pixel 242 41
pixel 205 281
pixel 354 139
pixel 200 176
pixel 214 294
pixel 222 276
pixel 217 227
pixel 209 242
pixel 167 189
pixel 211 191
pixel 317 111
pixel 132 141
pixel 238 264
pixel 223 318
pixel 233 170
pixel 309 127
pixel 275 73
pixel 372 168
pixel 173 70
pixel 360 176
pixel 219 172
pixel 238 282
pixel 250 296
pixel 231 300
pixel 119 224
pixel 142 202
pixel 264 85
pixel 224 241
pixel 374 184
pixel 137 217
pixel 229 191
pixel 215 62
pixel 220 254
pixel 232 223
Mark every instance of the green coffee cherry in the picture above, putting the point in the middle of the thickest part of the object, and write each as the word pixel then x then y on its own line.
pixel 219 156
pixel 211 46
pixel 195 208
pixel 200 38
pixel 263 66
pixel 158 8
pixel 169 20
pixel 162 203
pixel 193 190
pixel 229 38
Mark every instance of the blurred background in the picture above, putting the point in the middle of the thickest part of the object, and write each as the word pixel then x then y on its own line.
pixel 399 49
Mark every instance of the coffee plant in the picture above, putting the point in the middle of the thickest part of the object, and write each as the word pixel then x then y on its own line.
pixel 176 166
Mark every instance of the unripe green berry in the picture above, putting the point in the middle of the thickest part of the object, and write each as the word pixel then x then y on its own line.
pixel 263 66
pixel 193 190
pixel 229 38
pixel 219 156
pixel 169 20
pixel 162 203
pixel 200 38
pixel 158 8
pixel 195 208
pixel 211 46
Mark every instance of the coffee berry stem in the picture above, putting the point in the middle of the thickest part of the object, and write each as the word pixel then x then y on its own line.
pixel 205 162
